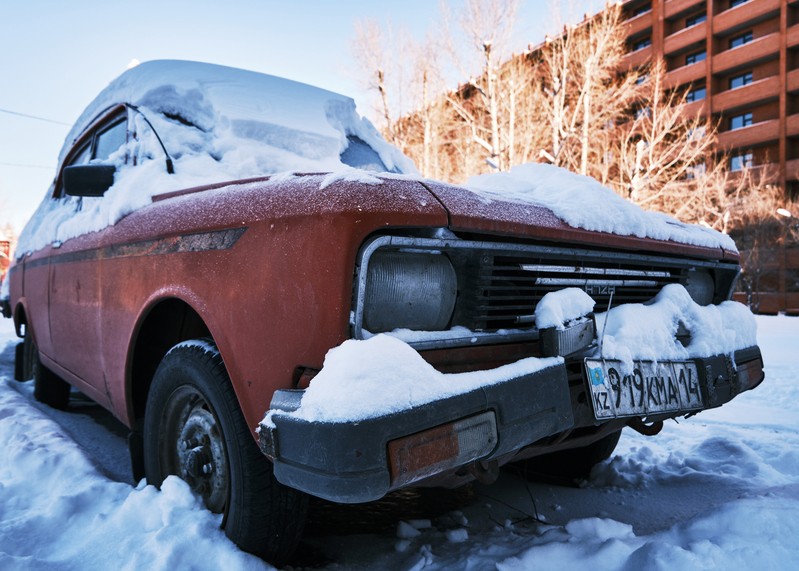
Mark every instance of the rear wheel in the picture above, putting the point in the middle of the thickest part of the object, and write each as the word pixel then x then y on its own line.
pixel 571 464
pixel 48 388
pixel 193 428
pixel 23 359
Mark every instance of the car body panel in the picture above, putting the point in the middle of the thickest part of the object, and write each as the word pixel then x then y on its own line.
pixel 472 213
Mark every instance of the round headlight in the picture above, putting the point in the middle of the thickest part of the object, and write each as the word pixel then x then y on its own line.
pixel 409 290
pixel 700 286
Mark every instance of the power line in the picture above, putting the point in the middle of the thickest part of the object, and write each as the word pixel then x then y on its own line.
pixel 26 166
pixel 34 117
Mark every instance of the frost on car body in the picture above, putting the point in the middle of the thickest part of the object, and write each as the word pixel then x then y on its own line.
pixel 224 252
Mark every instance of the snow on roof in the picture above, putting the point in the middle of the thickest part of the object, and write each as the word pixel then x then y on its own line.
pixel 292 117
pixel 582 202
pixel 219 124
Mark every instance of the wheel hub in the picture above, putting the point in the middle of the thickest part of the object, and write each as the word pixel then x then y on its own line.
pixel 200 457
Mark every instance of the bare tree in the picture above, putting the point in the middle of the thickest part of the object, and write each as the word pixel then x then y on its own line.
pixel 583 92
pixel 371 54
pixel 486 103
pixel 661 150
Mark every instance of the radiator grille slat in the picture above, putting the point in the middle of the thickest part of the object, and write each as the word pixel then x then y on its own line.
pixel 505 289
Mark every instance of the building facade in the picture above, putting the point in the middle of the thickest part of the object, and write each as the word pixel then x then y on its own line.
pixel 739 62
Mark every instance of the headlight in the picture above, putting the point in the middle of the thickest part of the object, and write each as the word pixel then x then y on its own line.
pixel 409 290
pixel 700 286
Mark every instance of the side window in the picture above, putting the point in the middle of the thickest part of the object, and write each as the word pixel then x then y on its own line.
pixel 83 156
pixel 108 142
pixel 100 145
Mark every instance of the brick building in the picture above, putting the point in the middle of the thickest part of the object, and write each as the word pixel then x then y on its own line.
pixel 740 61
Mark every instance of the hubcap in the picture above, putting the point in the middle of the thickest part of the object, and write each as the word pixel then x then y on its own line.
pixel 195 449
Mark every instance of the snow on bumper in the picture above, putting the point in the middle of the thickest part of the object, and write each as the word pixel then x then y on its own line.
pixel 361 460
pixel 358 461
pixel 378 417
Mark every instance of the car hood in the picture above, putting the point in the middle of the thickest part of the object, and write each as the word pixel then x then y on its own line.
pixel 474 213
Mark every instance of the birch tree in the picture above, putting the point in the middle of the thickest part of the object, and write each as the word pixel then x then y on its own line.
pixel 486 103
pixel 583 92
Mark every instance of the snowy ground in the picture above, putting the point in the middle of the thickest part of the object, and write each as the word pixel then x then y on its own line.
pixel 720 490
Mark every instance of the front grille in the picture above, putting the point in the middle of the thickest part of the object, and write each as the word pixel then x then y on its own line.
pixel 503 290
pixel 500 283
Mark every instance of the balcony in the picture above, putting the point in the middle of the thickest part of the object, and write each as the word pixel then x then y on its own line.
pixel 758 91
pixel 673 8
pixel 751 136
pixel 684 38
pixel 792 125
pixel 639 23
pixel 635 59
pixel 753 52
pixel 792 36
pixel 686 74
pixel 792 169
pixel 692 110
pixel 746 14
pixel 793 81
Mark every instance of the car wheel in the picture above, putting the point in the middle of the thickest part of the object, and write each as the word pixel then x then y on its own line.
pixel 194 428
pixel 48 388
pixel 572 464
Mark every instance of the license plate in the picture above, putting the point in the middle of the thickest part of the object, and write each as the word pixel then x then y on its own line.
pixel 650 388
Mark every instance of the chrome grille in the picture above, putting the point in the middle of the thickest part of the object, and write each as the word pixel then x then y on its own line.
pixel 508 288
pixel 500 283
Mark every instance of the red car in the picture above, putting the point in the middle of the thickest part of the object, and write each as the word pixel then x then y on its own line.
pixel 212 234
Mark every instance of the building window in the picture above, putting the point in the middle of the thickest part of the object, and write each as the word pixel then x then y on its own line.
pixel 734 3
pixel 641 79
pixel 641 44
pixel 695 57
pixel 741 162
pixel 696 94
pixel 740 121
pixel 696 171
pixel 740 80
pixel 642 9
pixel 741 40
pixel 694 20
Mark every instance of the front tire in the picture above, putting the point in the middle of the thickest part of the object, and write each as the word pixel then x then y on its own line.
pixel 194 428
pixel 571 464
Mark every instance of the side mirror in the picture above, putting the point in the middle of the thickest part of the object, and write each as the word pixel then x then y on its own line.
pixel 88 180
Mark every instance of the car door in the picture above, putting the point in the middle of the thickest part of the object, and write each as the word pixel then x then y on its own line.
pixel 75 280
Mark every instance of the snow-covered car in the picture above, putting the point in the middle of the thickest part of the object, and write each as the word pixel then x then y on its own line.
pixel 276 304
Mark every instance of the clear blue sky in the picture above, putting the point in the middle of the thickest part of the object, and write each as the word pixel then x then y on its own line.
pixel 56 55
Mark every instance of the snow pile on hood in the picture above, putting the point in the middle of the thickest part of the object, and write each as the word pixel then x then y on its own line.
pixel 649 331
pixel 582 202
pixel 218 124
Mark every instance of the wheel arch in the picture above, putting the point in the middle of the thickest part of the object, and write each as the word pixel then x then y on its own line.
pixel 165 324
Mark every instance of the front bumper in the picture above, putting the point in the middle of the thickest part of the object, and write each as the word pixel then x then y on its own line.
pixel 361 461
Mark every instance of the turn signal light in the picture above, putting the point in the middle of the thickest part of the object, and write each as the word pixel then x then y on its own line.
pixel 750 374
